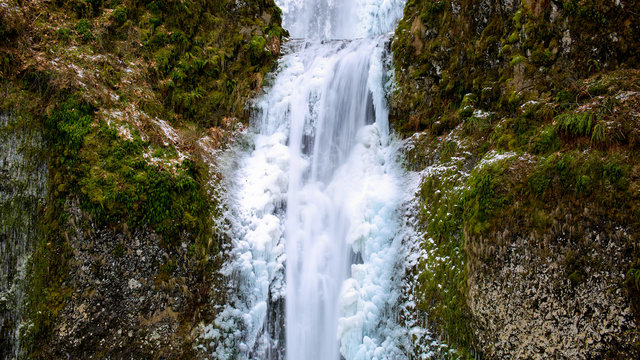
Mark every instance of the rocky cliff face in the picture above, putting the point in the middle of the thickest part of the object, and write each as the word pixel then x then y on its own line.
pixel 522 120
pixel 129 296
pixel 23 180
pixel 123 105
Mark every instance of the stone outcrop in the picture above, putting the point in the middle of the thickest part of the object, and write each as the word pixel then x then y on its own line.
pixel 129 296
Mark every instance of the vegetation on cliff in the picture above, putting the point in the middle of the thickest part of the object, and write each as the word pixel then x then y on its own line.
pixel 523 118
pixel 131 97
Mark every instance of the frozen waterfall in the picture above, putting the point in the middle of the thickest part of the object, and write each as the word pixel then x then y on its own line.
pixel 314 198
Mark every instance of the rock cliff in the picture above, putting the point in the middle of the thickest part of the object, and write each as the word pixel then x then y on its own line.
pixel 108 240
pixel 522 119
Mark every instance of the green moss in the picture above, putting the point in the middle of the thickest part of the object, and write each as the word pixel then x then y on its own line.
pixel 633 279
pixel 465 111
pixel 63 34
pixel 119 250
pixel 481 200
pixel 165 272
pixel 575 267
pixel 586 10
pixel 258 49
pixel 86 8
pixel 443 286
pixel 70 123
pixel 430 11
pixel 546 141
pixel 116 183
pixel 83 29
pixel 517 59
pixel 198 57
pixel 477 125
pixel 157 40
pixel 48 269
pixel 541 57
pixel 119 15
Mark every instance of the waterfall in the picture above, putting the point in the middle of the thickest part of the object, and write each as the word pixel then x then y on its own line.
pixel 314 197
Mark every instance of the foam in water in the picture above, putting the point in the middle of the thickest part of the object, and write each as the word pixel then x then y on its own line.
pixel 314 201
pixel 340 19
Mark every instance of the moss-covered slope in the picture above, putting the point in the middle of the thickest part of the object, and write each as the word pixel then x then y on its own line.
pixel 503 53
pixel 523 119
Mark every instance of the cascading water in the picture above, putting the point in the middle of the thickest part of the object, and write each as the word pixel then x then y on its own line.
pixel 325 183
pixel 314 202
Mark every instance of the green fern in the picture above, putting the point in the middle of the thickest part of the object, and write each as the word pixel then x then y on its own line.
pixel 598 134
pixel 633 278
pixel 580 124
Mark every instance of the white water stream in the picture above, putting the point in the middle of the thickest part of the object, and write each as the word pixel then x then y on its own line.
pixel 315 198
